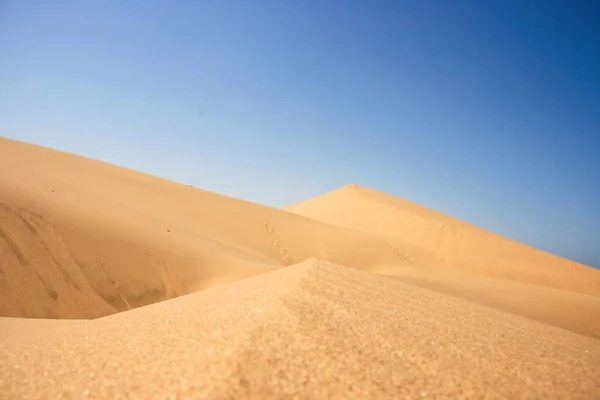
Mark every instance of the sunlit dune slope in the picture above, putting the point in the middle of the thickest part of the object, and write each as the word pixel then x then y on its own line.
pixel 453 242
pixel 565 309
pixel 81 238
pixel 84 239
pixel 313 330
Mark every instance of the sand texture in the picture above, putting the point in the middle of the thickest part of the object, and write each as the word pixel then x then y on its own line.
pixel 117 284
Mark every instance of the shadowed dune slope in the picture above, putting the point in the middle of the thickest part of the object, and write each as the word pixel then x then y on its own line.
pixel 452 242
pixel 81 238
pixel 313 330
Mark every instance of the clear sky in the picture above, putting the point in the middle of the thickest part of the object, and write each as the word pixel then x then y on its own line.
pixel 486 110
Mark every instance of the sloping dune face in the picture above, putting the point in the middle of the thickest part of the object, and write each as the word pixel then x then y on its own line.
pixel 81 238
pixel 311 331
pixel 458 313
pixel 453 243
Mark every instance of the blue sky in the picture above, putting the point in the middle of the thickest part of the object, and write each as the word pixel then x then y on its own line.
pixel 487 111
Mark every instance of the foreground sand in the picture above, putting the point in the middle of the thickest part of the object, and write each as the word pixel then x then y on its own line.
pixel 123 285
pixel 313 330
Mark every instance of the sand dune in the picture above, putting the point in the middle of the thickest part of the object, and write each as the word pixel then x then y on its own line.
pixel 454 242
pixel 568 310
pixel 196 294
pixel 82 239
pixel 313 330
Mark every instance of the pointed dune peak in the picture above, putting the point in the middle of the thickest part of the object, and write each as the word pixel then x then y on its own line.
pixel 455 243
pixel 351 186
pixel 355 192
